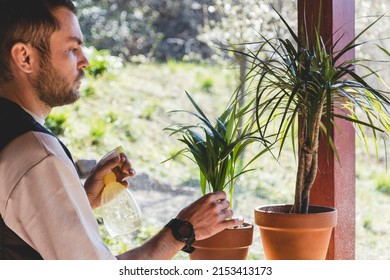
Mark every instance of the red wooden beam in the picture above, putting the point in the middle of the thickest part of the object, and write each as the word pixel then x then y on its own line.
pixel 335 183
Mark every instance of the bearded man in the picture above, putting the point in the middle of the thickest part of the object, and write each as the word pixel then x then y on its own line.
pixel 45 211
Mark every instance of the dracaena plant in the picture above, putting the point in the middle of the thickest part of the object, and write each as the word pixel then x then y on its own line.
pixel 303 84
pixel 216 147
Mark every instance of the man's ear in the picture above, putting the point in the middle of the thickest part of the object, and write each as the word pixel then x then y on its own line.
pixel 23 57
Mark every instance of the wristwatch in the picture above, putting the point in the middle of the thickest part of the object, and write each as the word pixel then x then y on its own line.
pixel 183 231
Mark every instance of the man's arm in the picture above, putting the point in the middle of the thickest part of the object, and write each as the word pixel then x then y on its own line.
pixel 162 246
pixel 208 215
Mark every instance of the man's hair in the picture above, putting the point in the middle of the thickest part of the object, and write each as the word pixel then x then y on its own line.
pixel 27 21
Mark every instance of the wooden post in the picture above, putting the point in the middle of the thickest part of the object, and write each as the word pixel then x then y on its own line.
pixel 335 183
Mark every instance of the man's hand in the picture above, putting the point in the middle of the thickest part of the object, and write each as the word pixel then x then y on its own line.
pixel 209 215
pixel 94 184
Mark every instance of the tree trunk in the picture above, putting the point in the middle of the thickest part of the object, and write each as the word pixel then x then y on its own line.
pixel 307 161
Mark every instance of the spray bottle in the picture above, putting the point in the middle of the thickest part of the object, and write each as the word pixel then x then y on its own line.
pixel 120 212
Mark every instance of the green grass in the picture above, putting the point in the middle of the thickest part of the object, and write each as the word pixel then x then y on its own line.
pixel 372 209
pixel 383 184
pixel 131 109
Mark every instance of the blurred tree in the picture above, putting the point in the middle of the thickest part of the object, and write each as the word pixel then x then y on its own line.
pixel 196 29
pixel 367 11
pixel 232 24
pixel 123 26
pixel 160 29
pixel 179 22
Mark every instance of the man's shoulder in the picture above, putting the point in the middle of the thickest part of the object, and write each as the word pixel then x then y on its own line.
pixel 31 145
pixel 28 150
pixel 19 156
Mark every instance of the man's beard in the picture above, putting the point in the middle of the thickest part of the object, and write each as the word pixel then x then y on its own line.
pixel 53 89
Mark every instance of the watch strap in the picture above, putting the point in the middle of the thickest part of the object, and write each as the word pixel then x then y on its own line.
pixel 188 248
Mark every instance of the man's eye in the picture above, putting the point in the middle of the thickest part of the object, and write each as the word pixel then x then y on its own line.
pixel 72 50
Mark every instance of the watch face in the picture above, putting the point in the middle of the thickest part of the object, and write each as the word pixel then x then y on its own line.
pixel 185 230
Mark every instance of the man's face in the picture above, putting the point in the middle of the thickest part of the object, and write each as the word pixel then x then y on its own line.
pixel 59 76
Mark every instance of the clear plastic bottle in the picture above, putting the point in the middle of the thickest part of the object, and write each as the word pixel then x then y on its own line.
pixel 120 212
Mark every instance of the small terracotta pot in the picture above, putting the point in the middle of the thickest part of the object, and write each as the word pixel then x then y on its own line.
pixel 229 244
pixel 289 236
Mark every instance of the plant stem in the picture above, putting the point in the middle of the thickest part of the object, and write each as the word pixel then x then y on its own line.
pixel 308 161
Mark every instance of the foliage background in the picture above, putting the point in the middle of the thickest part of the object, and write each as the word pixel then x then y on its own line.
pixel 157 49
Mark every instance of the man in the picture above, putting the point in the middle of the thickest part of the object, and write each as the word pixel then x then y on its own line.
pixel 45 212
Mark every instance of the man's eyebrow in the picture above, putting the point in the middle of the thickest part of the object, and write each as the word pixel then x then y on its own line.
pixel 76 39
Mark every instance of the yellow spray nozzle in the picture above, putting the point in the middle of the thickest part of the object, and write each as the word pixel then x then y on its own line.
pixel 119 149
pixel 110 177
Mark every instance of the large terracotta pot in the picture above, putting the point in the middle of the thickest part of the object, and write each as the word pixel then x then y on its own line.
pixel 289 236
pixel 229 244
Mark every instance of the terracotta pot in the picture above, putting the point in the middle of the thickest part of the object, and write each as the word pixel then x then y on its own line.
pixel 289 236
pixel 229 244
